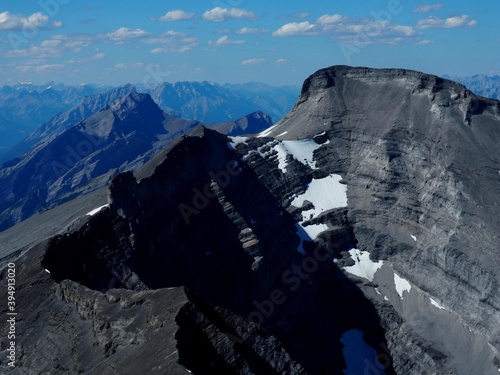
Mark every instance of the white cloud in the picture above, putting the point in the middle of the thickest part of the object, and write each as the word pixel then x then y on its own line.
pixel 326 19
pixel 23 68
pixel 249 30
pixel 352 30
pixel 120 66
pixel 54 46
pixel 253 61
pixel 405 30
pixel 295 28
pixel 225 41
pixel 125 34
pixel 50 43
pixel 172 41
pixel 427 8
pixel 281 61
pixel 43 68
pixel 219 14
pixel 18 22
pixel 177 15
pixel 99 56
pixel 448 23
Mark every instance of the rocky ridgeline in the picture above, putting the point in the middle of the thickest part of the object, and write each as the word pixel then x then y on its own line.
pixel 208 259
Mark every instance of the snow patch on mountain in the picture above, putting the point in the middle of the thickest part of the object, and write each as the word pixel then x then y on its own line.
pixel 363 266
pixel 266 132
pixel 235 141
pixel 301 150
pixel 435 303
pixel 325 194
pixel 93 212
pixel 401 285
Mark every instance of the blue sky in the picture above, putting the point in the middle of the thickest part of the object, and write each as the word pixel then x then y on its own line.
pixel 278 42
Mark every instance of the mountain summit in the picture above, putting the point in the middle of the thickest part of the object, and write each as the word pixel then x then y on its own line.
pixel 357 235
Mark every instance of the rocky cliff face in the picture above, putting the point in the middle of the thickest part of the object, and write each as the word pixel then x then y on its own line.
pixel 420 158
pixel 357 235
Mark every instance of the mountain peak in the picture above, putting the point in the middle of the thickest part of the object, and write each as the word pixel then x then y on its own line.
pixel 125 112
pixel 328 77
pixel 131 100
pixel 353 94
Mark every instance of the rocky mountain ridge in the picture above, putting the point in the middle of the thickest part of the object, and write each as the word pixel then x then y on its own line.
pixel 357 234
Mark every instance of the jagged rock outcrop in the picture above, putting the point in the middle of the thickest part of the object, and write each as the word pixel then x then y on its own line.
pixel 357 234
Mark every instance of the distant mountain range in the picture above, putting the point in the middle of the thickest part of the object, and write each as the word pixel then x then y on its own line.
pixel 488 86
pixel 62 121
pixel 81 149
pixel 27 108
pixel 23 107
pixel 208 102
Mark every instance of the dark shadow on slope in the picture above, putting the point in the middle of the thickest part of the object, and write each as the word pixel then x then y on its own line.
pixel 144 241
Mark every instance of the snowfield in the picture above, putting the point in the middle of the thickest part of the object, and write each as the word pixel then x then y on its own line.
pixel 363 266
pixel 325 194
pixel 300 150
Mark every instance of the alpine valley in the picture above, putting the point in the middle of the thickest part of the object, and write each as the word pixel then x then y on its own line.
pixel 357 235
